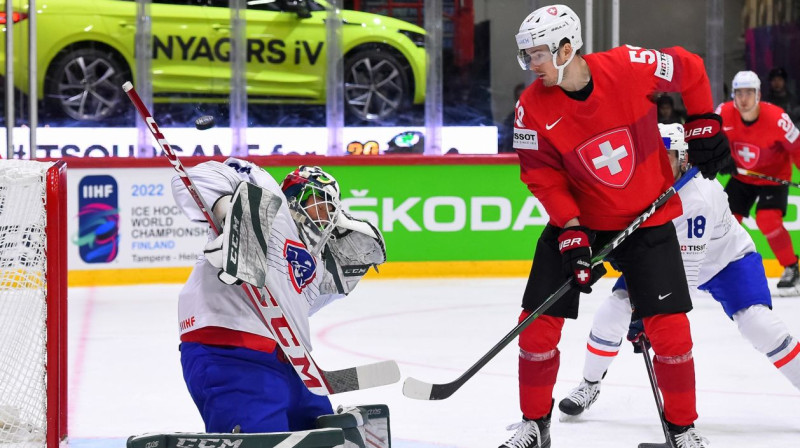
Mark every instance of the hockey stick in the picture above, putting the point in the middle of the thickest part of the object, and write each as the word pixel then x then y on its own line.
pixel 420 390
pixel 651 374
pixel 765 177
pixel 266 306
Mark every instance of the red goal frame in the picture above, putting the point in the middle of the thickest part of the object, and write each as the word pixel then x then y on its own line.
pixel 56 293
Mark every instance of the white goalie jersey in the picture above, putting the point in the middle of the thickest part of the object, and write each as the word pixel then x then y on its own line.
pixel 709 235
pixel 293 275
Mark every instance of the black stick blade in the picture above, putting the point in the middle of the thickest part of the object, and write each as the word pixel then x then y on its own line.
pixel 420 390
pixel 655 445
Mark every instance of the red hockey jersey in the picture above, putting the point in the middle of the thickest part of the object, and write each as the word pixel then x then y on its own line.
pixel 765 146
pixel 602 160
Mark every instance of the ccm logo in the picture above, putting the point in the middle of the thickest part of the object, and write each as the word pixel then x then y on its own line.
pixel 570 242
pixel 696 132
pixel 208 443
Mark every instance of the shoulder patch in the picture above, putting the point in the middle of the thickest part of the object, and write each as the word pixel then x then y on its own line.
pixel 302 265
pixel 664 66
pixel 791 136
pixel 526 139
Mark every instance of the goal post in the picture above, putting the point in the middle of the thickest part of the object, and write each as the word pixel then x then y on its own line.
pixel 33 304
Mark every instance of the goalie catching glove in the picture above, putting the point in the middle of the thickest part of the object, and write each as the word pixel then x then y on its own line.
pixel 354 247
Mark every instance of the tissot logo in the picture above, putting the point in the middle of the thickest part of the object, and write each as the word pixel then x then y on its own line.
pixel 526 139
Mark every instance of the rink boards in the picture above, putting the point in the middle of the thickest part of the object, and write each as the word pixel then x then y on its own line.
pixel 441 216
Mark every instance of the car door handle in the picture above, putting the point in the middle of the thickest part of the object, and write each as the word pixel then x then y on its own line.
pixel 221 28
pixel 127 25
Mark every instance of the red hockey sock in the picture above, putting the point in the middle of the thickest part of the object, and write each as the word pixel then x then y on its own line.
pixel 674 365
pixel 538 364
pixel 770 223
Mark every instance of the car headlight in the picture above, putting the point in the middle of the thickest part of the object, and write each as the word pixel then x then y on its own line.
pixel 417 38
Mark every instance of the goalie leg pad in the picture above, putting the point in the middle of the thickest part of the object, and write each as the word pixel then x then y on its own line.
pixel 364 426
pixel 317 438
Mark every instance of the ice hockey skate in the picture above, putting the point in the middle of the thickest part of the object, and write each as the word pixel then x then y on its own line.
pixel 687 437
pixel 529 434
pixel 789 284
pixel 579 399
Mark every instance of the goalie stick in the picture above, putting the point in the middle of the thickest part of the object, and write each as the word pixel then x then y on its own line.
pixel 318 381
pixel 420 390
pixel 651 374
pixel 778 180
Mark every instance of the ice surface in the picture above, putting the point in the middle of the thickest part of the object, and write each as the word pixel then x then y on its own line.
pixel 125 375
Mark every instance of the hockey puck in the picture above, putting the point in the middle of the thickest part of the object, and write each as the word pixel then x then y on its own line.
pixel 204 122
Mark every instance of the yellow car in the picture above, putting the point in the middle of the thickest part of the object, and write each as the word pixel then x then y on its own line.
pixel 86 52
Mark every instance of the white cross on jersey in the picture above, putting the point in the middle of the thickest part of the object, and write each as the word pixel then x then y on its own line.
pixel 610 157
pixel 746 155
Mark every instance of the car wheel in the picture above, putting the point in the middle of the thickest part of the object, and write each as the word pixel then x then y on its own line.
pixel 375 85
pixel 85 84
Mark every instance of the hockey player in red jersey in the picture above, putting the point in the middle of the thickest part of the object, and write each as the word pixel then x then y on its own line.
pixel 587 137
pixel 763 140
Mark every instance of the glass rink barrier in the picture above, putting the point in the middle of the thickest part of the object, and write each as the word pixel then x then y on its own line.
pixel 332 77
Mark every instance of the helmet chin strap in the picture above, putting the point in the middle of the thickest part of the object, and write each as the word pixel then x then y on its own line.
pixel 561 68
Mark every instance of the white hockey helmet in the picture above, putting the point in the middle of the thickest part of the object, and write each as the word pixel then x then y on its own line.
pixel 673 137
pixel 549 25
pixel 745 80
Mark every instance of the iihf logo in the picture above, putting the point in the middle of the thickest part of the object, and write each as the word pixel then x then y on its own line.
pixel 302 266
pixel 98 219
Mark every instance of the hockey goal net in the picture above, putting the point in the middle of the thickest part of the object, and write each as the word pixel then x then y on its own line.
pixel 33 311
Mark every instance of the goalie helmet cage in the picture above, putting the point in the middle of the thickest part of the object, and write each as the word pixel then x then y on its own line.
pixel 33 304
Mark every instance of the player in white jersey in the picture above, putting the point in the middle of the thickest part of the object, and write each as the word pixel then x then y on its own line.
pixel 719 257
pixel 235 373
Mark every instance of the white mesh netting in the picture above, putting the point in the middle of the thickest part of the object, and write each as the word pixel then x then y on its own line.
pixel 23 335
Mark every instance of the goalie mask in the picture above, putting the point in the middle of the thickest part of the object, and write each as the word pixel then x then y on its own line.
pixel 314 202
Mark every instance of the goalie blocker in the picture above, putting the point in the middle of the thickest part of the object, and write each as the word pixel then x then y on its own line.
pixel 365 426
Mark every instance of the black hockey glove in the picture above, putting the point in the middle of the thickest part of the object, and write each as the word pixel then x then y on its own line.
pixel 576 256
pixel 636 335
pixel 709 149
